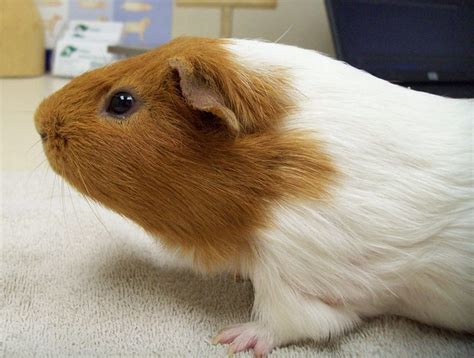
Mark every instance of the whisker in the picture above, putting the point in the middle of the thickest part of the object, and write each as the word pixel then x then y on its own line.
pixel 41 163
pixel 62 198
pixel 48 168
pixel 97 215
pixel 51 201
pixel 37 155
pixel 75 211
pixel 34 144
pixel 88 192
pixel 33 171
pixel 284 34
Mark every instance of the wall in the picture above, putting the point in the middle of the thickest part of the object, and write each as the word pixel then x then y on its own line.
pixel 306 20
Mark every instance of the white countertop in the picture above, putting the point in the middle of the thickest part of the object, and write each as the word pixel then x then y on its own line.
pixel 19 97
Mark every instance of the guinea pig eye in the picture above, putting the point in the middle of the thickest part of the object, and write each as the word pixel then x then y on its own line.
pixel 120 103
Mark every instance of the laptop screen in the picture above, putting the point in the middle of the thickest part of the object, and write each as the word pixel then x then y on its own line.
pixel 406 40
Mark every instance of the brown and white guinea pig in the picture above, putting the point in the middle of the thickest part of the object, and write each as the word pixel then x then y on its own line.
pixel 341 196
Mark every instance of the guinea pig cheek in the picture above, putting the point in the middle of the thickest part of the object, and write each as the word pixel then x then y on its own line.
pixel 62 147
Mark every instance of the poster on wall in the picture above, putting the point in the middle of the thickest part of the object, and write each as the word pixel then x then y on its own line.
pixel 147 23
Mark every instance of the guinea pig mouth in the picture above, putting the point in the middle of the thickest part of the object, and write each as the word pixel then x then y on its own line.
pixel 56 140
pixel 54 145
pixel 44 136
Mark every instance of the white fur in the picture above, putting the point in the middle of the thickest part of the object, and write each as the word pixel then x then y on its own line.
pixel 396 237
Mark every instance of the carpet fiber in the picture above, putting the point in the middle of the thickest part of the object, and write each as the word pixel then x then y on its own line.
pixel 80 280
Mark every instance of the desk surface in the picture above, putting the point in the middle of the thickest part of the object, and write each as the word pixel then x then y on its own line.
pixel 19 98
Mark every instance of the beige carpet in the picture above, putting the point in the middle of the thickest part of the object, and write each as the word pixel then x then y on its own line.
pixel 79 283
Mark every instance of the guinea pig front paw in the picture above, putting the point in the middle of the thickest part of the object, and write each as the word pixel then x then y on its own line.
pixel 242 337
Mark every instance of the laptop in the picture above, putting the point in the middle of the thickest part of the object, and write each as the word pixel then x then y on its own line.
pixel 427 45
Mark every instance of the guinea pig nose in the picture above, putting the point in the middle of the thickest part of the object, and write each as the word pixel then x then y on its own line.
pixel 43 136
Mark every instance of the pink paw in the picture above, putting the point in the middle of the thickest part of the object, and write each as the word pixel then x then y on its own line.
pixel 242 337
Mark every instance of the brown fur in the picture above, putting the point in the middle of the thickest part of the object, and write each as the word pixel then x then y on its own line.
pixel 199 182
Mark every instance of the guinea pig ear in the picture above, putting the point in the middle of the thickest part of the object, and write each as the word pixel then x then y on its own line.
pixel 202 94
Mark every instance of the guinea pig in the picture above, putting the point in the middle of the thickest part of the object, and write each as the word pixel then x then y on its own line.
pixel 339 195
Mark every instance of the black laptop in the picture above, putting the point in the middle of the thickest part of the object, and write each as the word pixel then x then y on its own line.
pixel 427 45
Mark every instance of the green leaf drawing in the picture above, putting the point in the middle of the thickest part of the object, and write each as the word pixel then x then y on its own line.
pixel 68 51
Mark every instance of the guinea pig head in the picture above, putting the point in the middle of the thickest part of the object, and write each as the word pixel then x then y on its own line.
pixel 183 140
